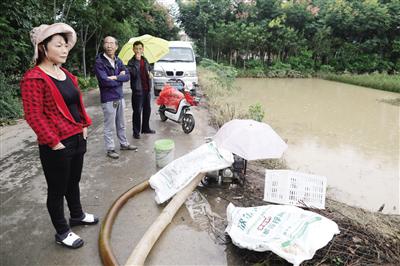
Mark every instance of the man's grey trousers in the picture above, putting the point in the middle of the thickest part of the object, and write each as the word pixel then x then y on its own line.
pixel 114 118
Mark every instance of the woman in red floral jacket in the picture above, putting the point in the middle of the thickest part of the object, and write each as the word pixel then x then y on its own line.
pixel 54 109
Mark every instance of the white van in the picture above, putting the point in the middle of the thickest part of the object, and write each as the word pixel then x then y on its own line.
pixel 178 64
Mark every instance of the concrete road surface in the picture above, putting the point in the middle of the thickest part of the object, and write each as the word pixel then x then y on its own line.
pixel 27 235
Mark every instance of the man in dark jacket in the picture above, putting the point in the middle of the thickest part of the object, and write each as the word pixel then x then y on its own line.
pixel 111 73
pixel 139 69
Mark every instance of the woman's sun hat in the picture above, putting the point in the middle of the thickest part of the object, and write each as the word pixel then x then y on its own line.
pixel 39 34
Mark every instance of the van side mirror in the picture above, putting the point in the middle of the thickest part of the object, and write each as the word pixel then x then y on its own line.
pixel 198 59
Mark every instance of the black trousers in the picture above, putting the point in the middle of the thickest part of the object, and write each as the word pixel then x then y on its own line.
pixel 62 169
pixel 141 103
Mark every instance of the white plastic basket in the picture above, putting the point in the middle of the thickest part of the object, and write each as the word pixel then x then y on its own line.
pixel 295 188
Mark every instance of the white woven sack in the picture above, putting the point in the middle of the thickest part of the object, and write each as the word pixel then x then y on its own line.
pixel 177 174
pixel 290 232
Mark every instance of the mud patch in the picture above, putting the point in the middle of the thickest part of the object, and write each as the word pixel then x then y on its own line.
pixel 200 211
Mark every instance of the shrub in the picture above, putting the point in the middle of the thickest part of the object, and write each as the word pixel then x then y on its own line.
pixel 303 62
pixel 10 102
pixel 256 72
pixel 355 62
pixel 396 66
pixel 280 66
pixel 256 112
pixel 87 83
pixel 368 63
pixel 326 69
pixel 282 70
pixel 255 63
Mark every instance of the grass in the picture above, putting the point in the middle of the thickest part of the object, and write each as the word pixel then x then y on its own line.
pixel 375 80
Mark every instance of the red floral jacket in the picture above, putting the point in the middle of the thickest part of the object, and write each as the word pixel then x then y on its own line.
pixel 45 109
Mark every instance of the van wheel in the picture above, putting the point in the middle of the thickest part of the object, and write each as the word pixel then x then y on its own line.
pixel 188 123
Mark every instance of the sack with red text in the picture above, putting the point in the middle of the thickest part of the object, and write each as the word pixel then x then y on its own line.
pixel 290 232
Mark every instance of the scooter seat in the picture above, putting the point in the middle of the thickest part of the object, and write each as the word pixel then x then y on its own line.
pixel 168 109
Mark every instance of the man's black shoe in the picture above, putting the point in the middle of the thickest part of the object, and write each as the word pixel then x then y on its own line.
pixel 136 136
pixel 150 131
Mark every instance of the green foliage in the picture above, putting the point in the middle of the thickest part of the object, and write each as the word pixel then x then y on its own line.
pixel 254 68
pixel 16 20
pixel 251 72
pixel 198 17
pixel 88 83
pixel 255 63
pixel 326 69
pixel 357 36
pixel 10 102
pixel 397 66
pixel 225 74
pixel 279 66
pixel 337 261
pixel 256 112
pixel 350 58
pixel 282 70
pixel 303 62
pixel 375 80
pixel 92 21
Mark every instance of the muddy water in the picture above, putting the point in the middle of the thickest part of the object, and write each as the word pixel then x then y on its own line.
pixel 344 132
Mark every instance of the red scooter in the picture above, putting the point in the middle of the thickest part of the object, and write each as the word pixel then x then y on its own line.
pixel 175 101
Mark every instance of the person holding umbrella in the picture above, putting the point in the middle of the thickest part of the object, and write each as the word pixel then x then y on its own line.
pixel 139 70
pixel 111 74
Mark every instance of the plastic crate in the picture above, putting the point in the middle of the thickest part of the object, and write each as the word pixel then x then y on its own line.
pixel 295 188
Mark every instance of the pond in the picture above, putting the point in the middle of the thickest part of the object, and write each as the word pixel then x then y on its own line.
pixel 349 134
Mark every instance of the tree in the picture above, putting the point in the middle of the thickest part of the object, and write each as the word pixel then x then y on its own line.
pixel 197 17
pixel 83 18
pixel 16 20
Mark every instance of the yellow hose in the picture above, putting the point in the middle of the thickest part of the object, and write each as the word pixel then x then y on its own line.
pixel 106 253
pixel 144 246
pixel 142 249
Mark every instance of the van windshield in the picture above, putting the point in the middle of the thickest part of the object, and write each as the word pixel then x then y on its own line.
pixel 178 54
